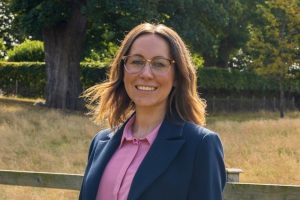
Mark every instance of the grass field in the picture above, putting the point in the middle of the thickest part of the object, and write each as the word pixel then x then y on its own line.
pixel 265 147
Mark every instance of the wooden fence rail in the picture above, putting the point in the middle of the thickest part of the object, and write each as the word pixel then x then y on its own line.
pixel 250 191
pixel 41 179
pixel 233 190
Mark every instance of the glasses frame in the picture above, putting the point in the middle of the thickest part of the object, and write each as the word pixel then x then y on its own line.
pixel 124 58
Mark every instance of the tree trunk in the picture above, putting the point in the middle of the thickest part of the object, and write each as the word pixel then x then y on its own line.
pixel 63 48
pixel 223 53
pixel 209 60
pixel 281 100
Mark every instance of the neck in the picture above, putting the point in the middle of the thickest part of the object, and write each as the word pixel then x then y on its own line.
pixel 146 120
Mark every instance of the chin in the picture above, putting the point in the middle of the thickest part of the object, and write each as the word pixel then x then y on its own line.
pixel 143 104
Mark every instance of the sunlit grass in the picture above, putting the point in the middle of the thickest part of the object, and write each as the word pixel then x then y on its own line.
pixel 264 146
pixel 267 150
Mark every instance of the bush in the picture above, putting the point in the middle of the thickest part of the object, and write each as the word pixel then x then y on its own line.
pixel 28 51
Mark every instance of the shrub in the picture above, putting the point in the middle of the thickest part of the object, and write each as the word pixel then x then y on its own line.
pixel 29 50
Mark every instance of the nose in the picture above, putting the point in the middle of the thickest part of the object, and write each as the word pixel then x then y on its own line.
pixel 147 72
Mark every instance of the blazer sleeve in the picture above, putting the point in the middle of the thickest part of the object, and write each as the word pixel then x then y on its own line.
pixel 209 174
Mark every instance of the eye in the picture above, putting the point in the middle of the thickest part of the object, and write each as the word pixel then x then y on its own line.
pixel 160 63
pixel 135 60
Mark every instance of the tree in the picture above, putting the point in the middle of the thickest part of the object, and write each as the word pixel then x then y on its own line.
pixel 275 41
pixel 235 34
pixel 62 26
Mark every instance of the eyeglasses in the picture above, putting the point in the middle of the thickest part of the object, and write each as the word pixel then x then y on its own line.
pixel 136 63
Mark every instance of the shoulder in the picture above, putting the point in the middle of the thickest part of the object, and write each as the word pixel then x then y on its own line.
pixel 201 138
pixel 197 132
pixel 104 134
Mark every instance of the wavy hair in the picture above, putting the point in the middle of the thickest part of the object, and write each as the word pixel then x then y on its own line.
pixel 109 100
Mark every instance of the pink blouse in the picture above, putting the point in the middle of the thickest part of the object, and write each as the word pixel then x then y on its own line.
pixel 120 170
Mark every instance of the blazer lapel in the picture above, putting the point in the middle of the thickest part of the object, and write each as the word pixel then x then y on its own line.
pixel 162 152
pixel 103 153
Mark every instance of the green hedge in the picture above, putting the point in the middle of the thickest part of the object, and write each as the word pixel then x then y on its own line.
pixel 234 81
pixel 30 77
pixel 27 78
pixel 31 80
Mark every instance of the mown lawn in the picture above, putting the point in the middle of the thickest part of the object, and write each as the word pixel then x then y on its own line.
pixel 265 147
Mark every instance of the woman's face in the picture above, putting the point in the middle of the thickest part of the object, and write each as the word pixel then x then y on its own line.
pixel 145 88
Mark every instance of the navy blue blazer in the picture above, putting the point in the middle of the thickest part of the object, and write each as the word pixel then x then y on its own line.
pixel 185 162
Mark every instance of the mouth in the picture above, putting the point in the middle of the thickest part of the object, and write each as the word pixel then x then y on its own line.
pixel 145 88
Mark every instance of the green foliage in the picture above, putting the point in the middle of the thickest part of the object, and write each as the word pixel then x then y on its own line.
pixel 234 81
pixel 2 49
pixel 235 34
pixel 34 16
pixel 29 50
pixel 92 73
pixel 200 23
pixel 213 29
pixel 6 20
pixel 275 43
pixel 31 78
pixel 198 60
pixel 104 54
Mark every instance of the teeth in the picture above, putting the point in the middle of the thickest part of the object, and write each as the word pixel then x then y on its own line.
pixel 145 88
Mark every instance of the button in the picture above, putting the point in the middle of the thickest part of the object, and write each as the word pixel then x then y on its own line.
pixel 135 141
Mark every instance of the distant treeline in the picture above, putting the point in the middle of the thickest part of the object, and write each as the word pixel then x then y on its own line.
pixel 28 79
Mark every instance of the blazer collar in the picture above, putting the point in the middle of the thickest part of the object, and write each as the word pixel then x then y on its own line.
pixel 164 149
pixel 103 152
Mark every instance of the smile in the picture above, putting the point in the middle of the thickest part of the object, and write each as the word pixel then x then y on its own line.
pixel 145 88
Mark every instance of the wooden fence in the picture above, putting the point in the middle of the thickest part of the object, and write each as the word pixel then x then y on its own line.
pixel 233 190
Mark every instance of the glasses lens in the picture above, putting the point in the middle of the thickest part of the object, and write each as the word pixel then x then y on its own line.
pixel 134 63
pixel 160 65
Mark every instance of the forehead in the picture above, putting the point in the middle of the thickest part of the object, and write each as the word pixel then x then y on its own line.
pixel 150 45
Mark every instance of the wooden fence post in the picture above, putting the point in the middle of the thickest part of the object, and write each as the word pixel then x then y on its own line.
pixel 233 174
pixel 16 89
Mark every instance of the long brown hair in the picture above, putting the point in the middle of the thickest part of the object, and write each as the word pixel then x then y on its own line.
pixel 109 100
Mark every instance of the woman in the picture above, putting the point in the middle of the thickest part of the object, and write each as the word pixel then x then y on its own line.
pixel 156 147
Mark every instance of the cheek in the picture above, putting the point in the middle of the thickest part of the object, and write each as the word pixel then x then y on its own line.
pixel 171 79
pixel 127 79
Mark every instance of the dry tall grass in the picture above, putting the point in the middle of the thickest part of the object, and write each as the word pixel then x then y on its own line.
pixel 267 150
pixel 38 139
